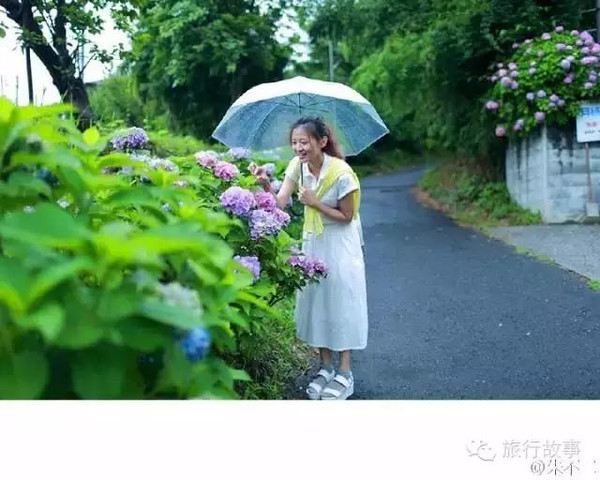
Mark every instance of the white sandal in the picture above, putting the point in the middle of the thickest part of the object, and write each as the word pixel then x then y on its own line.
pixel 334 394
pixel 317 389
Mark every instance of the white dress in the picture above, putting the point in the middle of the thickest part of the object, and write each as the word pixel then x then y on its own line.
pixel 333 312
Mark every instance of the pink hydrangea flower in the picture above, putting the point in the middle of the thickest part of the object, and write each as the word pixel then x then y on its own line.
pixel 491 105
pixel 265 200
pixel 500 131
pixel 225 170
pixel 206 158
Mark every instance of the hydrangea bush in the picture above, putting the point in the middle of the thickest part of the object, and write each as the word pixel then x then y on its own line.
pixel 544 81
pixel 124 275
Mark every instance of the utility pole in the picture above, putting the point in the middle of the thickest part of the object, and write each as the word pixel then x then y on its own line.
pixel 597 20
pixel 331 63
pixel 26 22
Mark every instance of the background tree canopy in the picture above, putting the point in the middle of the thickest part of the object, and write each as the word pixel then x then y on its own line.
pixel 199 56
pixel 424 64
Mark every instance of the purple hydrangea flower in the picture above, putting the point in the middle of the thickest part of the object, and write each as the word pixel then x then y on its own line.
pixel 561 47
pixel 579 43
pixel 539 117
pixel 514 85
pixel 491 105
pixel 546 36
pixel 225 170
pixel 515 45
pixel 493 78
pixel 266 222
pixel 561 102
pixel 251 263
pixel 532 71
pixel 559 29
pixel 588 85
pixel 553 98
pixel 585 50
pixel 541 94
pixel 514 74
pixel 195 344
pixel 502 72
pixel 589 60
pixel 206 158
pixel 506 81
pixel 575 33
pixel 571 58
pixel 596 48
pixel 309 266
pixel 238 153
pixel 500 131
pixel 512 66
pixel 518 125
pixel 133 138
pixel 568 79
pixel 238 200
pixel 530 96
pixel 565 64
pixel 265 201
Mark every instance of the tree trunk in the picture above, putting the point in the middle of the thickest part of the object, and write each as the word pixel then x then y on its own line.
pixel 57 61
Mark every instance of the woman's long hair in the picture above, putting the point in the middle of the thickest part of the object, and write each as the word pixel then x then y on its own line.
pixel 318 129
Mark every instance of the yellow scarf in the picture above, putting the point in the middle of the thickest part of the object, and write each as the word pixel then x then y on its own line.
pixel 313 223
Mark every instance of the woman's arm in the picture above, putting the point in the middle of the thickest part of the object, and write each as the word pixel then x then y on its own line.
pixel 343 213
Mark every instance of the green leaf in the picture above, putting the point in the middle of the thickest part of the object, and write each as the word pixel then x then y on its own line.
pixel 56 274
pixel 241 375
pixel 23 375
pixel 13 284
pixel 91 136
pixel 48 225
pixel 48 319
pixel 177 371
pixel 180 317
pixel 99 373
pixel 144 334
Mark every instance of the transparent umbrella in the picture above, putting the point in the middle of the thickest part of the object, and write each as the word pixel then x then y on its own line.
pixel 260 119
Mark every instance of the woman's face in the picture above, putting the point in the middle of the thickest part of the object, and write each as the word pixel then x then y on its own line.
pixel 305 146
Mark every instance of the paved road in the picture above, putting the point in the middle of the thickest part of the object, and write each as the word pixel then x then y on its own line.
pixel 454 314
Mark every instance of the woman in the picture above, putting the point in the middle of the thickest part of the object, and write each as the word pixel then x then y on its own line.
pixel 330 315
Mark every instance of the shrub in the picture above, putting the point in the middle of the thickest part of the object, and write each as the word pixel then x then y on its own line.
pixel 117 270
pixel 544 81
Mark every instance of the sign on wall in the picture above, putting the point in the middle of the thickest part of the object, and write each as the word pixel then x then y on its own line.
pixel 588 123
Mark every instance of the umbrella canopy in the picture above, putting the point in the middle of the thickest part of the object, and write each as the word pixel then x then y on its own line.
pixel 260 119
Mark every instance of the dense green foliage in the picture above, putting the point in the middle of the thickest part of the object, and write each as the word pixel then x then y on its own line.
pixel 425 65
pixel 109 259
pixel 198 57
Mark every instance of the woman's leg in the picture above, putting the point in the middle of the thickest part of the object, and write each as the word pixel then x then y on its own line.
pixel 320 381
pixel 325 354
pixel 344 361
pixel 344 370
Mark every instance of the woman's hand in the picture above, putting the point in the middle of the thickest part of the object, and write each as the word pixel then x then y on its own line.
pixel 261 177
pixel 307 197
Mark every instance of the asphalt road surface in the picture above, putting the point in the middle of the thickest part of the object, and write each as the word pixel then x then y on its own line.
pixel 454 314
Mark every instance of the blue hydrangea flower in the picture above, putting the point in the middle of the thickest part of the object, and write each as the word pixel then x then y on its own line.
pixel 195 344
